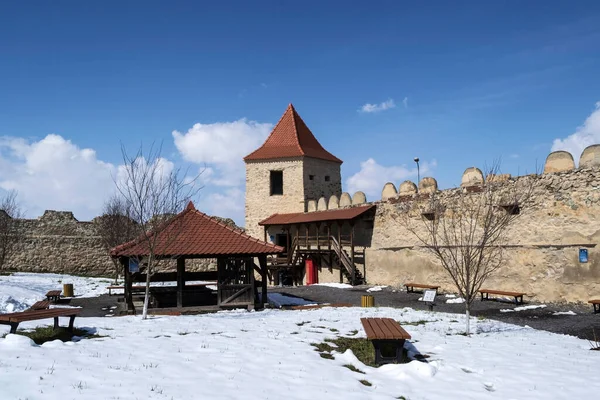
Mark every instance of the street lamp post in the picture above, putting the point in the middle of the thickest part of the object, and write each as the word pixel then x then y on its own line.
pixel 418 173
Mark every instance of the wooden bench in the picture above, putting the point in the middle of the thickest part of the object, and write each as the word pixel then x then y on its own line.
pixel 517 295
pixel 40 305
pixel 14 319
pixel 410 287
pixel 596 304
pixel 385 334
pixel 53 295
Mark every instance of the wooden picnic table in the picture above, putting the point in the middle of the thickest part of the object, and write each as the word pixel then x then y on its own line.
pixel 40 305
pixel 53 295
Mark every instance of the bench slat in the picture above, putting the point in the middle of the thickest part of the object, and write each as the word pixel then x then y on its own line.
pixel 395 329
pixel 39 314
pixel 421 285
pixel 383 329
pixel 594 301
pixel 501 292
pixel 40 305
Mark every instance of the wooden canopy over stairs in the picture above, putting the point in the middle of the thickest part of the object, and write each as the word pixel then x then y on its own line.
pixel 331 249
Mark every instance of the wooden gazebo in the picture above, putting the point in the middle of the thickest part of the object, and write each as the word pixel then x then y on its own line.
pixel 193 235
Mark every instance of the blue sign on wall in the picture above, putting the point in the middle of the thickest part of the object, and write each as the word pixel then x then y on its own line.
pixel 583 255
pixel 134 265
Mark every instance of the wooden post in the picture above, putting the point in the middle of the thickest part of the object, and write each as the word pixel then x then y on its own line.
pixel 339 226
pixel 265 232
pixel 352 253
pixel 128 281
pixel 180 281
pixel 329 244
pixel 306 237
pixel 318 243
pixel 262 261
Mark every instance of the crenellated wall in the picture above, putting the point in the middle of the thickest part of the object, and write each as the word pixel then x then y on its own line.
pixel 543 255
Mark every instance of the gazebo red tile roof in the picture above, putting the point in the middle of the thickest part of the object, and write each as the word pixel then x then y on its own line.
pixel 192 233
pixel 341 214
pixel 291 138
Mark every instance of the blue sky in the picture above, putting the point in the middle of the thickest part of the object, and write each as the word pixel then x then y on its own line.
pixel 469 82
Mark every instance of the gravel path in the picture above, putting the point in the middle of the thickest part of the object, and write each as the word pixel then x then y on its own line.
pixel 582 325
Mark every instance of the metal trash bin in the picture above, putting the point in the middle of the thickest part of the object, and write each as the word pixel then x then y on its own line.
pixel 367 301
pixel 68 290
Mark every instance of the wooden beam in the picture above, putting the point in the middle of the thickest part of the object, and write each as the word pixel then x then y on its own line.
pixel 306 237
pixel 352 253
pixel 180 281
pixel 339 226
pixel 318 244
pixel 128 283
pixel 329 244
pixel 262 260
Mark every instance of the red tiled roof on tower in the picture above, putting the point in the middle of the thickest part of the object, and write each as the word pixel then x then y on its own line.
pixel 193 233
pixel 291 138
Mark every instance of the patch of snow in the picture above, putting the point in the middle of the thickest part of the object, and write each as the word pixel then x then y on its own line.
pixel 376 289
pixel 457 300
pixel 21 290
pixel 335 285
pixel 451 296
pixel 564 313
pixel 279 300
pixel 523 308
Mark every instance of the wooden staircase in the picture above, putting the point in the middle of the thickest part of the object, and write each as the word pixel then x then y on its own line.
pixel 337 256
pixel 349 269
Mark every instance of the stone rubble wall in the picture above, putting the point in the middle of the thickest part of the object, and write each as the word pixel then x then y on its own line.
pixel 57 242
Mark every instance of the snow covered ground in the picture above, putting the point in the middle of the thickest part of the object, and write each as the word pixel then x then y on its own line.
pixel 20 290
pixel 268 355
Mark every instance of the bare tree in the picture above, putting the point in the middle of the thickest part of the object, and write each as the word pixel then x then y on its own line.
pixel 153 191
pixel 467 229
pixel 11 230
pixel 115 226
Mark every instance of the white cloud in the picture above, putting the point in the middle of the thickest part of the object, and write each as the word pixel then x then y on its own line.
pixel 372 176
pixel 374 108
pixel 54 173
pixel 229 203
pixel 221 147
pixel 405 102
pixel 585 135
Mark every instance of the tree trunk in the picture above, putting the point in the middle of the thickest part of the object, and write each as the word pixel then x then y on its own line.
pixel 147 295
pixel 468 318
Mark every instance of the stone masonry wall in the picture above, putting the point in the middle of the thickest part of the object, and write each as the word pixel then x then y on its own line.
pixel 259 202
pixel 543 259
pixel 318 186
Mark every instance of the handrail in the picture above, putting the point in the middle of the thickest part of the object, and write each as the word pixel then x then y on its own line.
pixel 292 250
pixel 343 256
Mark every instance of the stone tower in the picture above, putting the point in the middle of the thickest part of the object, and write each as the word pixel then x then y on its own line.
pixel 290 168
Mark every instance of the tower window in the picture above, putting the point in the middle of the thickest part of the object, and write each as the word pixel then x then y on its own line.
pixel 327 178
pixel 276 183
pixel 311 177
